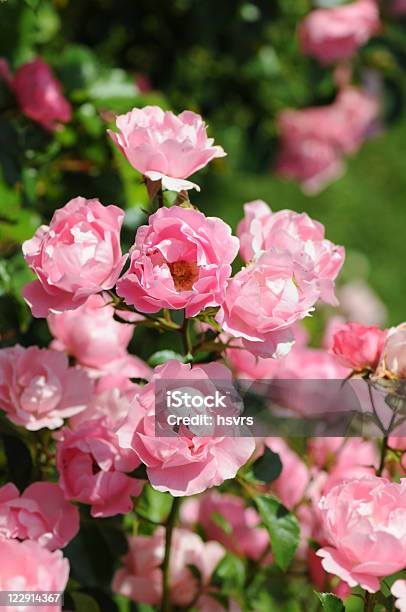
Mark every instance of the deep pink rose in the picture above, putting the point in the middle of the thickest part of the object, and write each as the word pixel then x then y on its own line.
pixel 165 147
pixel 398 589
pixel 358 346
pixel 186 463
pixel 27 566
pixel 92 468
pixel 226 518
pixel 77 255
pixel 291 485
pixel 39 93
pixel 141 577
pixel 335 34
pixel 364 522
pixel 393 357
pixel 38 388
pixel 97 342
pixel 265 299
pixel 297 234
pixel 41 513
pixel 181 259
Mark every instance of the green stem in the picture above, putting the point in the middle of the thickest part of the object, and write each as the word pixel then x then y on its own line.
pixel 369 602
pixel 170 524
pixel 384 449
pixel 187 342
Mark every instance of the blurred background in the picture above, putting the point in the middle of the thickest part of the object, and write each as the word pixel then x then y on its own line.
pixel 239 64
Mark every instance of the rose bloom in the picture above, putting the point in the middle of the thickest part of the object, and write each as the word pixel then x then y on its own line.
pixel 163 146
pixel 393 358
pixel 141 577
pixel 335 34
pixel 41 513
pixel 92 468
pixel 286 230
pixel 364 522
pixel 39 93
pixel 185 463
pixel 98 342
pixel 358 346
pixel 181 259
pixel 27 566
pixel 113 404
pixel 225 518
pixel 360 303
pixel 77 255
pixel 38 388
pixel 398 590
pixel 291 485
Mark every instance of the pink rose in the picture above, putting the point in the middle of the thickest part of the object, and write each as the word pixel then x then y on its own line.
pixel 291 485
pixel 335 34
pixel 181 259
pixel 38 93
pixel 27 566
pixel 360 303
pixel 38 388
pixel 41 514
pixel 77 255
pixel 393 358
pixel 186 463
pixel 364 522
pixel 92 468
pixel 141 577
pixel 112 404
pixel 297 234
pixel 358 346
pixel 399 9
pixel 398 590
pixel 165 147
pixel 225 518
pixel 98 342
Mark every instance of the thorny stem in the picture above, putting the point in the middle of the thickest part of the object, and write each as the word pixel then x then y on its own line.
pixel 170 524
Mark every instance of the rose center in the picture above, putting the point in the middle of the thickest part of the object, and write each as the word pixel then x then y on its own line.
pixel 184 274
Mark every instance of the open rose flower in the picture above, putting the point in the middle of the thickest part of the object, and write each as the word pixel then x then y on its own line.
pixel 77 255
pixel 181 259
pixel 97 342
pixel 265 299
pixel 38 388
pixel 358 346
pixel 183 464
pixel 93 468
pixel 364 522
pixel 163 146
pixel 393 358
pixel 298 234
pixel 141 577
pixel 27 566
pixel 398 590
pixel 41 513
pixel 39 93
pixel 335 34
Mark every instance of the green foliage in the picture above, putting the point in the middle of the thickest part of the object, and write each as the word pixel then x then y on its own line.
pixel 268 467
pixel 330 602
pixel 153 506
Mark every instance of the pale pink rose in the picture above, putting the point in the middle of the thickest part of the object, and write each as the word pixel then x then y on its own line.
pixel 27 566
pixel 393 357
pixel 321 579
pixel 41 514
pixel 360 303
pixel 360 111
pixel 77 255
pixel 208 603
pixel 186 463
pixel 265 299
pixel 141 577
pixel 92 468
pixel 226 518
pixel 297 234
pixel 38 388
pixel 163 146
pixel 398 590
pixel 112 404
pixel 181 259
pixel 291 485
pixel 354 459
pixel 335 34
pixel 38 93
pixel 397 442
pixel 358 346
pixel 96 341
pixel 364 522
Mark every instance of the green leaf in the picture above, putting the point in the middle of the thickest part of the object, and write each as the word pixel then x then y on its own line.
pixel 162 357
pixel 282 527
pixel 114 89
pixel 268 467
pixel 221 522
pixel 231 570
pixel 84 603
pixel 153 505
pixel 330 602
